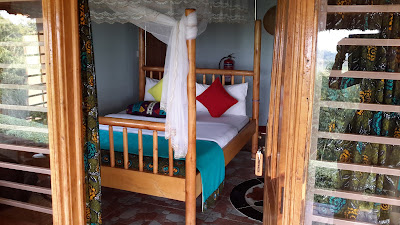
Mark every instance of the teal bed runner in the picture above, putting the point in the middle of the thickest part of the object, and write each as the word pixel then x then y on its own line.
pixel 209 158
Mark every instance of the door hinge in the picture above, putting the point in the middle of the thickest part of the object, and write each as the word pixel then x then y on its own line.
pixel 282 197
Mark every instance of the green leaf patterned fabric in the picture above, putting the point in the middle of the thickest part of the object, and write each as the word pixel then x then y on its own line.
pixel 90 126
pixel 362 122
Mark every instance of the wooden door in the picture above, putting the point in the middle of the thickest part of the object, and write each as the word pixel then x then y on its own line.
pixel 333 151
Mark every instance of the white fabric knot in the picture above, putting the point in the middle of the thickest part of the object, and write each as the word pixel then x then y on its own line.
pixel 191 26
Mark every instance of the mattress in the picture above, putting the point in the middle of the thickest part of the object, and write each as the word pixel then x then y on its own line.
pixel 220 130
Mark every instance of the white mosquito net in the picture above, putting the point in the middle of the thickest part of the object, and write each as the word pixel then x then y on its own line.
pixel 165 19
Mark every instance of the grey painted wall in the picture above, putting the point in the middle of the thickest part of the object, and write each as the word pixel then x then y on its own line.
pixel 115 49
pixel 220 40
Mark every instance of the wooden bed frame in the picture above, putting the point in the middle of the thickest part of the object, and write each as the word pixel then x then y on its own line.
pixel 183 189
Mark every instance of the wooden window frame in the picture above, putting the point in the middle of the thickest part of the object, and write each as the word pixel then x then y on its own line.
pixel 64 111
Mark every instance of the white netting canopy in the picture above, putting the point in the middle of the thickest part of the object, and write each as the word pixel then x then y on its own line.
pixel 166 21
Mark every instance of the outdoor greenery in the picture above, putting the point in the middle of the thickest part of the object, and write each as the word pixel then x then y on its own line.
pixel 12 33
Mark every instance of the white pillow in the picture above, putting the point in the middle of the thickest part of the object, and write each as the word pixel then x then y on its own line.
pixel 149 84
pixel 238 91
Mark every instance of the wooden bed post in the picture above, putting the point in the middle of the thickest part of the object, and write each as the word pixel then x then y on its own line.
pixel 256 84
pixel 142 75
pixel 190 181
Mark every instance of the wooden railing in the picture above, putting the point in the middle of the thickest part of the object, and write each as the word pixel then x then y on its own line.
pixel 140 125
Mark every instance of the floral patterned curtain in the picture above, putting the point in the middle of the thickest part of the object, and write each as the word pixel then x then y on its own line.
pixel 90 126
pixel 362 122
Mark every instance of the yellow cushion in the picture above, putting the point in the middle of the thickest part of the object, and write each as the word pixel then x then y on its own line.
pixel 156 90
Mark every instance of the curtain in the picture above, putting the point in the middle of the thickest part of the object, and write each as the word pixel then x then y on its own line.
pixel 90 126
pixel 362 122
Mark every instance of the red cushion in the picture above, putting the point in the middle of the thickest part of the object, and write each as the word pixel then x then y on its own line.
pixel 216 99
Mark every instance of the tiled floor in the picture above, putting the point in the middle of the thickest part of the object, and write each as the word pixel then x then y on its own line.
pixel 122 207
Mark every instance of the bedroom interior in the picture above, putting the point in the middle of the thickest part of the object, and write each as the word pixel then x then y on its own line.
pixel 332 149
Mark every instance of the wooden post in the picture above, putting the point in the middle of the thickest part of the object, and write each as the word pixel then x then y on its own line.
pixel 142 74
pixel 111 138
pixel 155 152
pixel 140 149
pixel 125 140
pixel 256 84
pixel 61 38
pixel 190 181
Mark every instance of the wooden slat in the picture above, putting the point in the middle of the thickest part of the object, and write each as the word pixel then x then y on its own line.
pixel 335 221
pixel 356 167
pixel 25 149
pixel 111 141
pixel 151 74
pixel 25 187
pixel 25 205
pixel 223 80
pixel 213 78
pixel 171 158
pixel 24 107
pixel 232 80
pixel 366 75
pixel 159 75
pixel 23 86
pixel 256 84
pixel 22 43
pixel 26 168
pixel 361 106
pixel 204 79
pixel 362 8
pixel 145 183
pixel 23 66
pixel 125 140
pixel 369 42
pixel 24 128
pixel 138 124
pixel 382 199
pixel 207 71
pixel 359 138
pixel 140 149
pixel 243 79
pixel 155 152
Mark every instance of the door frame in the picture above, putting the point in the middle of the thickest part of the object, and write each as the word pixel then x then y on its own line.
pixel 60 19
pixel 290 111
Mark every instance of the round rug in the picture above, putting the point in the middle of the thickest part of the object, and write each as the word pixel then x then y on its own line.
pixel 247 198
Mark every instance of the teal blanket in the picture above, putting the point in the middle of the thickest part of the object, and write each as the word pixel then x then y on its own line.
pixel 209 159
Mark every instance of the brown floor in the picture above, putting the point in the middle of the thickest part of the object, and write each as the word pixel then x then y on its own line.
pixel 122 207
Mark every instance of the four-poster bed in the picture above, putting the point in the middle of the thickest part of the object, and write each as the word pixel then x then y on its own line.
pixel 185 188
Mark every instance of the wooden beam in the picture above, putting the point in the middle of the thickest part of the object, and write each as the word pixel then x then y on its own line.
pixel 256 84
pixel 363 8
pixel 25 149
pixel 139 124
pixel 190 181
pixel 366 74
pixel 62 48
pixel 25 205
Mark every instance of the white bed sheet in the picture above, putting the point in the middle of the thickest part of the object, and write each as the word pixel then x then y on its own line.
pixel 219 130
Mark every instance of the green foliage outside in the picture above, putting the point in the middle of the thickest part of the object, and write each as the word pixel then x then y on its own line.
pixel 11 34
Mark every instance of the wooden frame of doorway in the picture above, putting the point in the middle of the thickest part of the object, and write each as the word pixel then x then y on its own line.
pixel 291 98
pixel 64 111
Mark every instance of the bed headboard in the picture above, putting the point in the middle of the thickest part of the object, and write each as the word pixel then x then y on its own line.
pixel 238 75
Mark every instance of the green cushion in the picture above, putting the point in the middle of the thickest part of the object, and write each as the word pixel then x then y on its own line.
pixel 156 90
